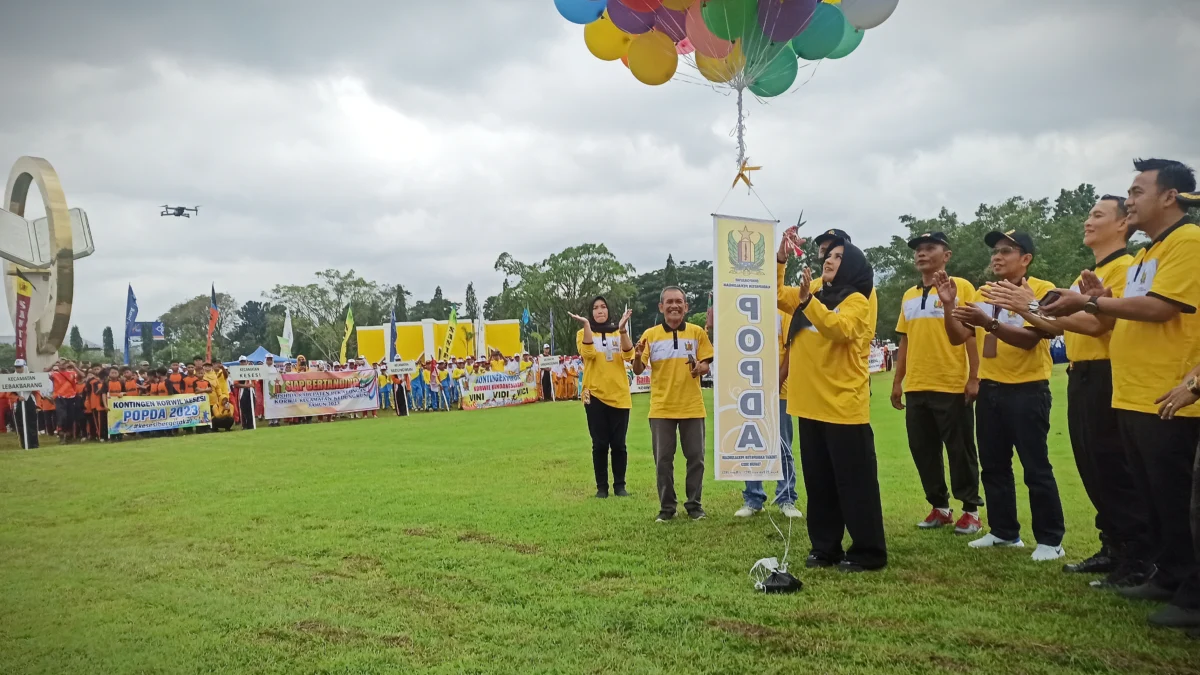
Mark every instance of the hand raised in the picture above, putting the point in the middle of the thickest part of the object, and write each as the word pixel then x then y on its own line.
pixel 946 289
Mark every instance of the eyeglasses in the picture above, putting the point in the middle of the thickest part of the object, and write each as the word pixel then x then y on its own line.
pixel 1005 250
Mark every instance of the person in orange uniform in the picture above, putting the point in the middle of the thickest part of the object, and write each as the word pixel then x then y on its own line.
pixel 64 377
pixel 113 388
pixel 175 379
pixel 605 347
pixel 190 377
pixel 93 405
pixel 828 346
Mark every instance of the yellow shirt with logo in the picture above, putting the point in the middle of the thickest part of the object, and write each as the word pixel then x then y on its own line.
pixel 784 322
pixel 674 393
pixel 832 354
pixel 1112 272
pixel 1150 359
pixel 932 363
pixel 604 375
pixel 873 300
pixel 1013 365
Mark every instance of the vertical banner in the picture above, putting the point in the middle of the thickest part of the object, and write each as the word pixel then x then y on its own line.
pixel 21 319
pixel 451 329
pixel 746 373
pixel 131 312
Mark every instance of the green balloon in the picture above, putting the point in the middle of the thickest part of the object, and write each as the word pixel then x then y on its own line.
pixel 851 39
pixel 778 76
pixel 760 51
pixel 823 34
pixel 729 19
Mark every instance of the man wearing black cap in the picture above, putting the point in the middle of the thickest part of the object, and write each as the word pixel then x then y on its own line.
pixel 936 382
pixel 1154 345
pixel 1013 409
pixel 25 411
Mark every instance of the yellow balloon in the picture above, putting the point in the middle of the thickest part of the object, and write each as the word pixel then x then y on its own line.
pixel 653 58
pixel 678 5
pixel 723 69
pixel 604 40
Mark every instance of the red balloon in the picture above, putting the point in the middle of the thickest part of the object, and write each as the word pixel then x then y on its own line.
pixel 642 5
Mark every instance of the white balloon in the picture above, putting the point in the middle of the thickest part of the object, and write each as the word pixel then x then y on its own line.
pixel 867 14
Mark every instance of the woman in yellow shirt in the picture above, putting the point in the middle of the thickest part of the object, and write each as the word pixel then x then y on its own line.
pixel 605 348
pixel 827 344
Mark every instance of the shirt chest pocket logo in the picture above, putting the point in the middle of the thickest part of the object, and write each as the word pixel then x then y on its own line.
pixel 1140 279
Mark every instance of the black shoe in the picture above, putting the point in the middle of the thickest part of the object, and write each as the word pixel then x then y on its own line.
pixel 620 492
pixel 601 494
pixel 815 561
pixel 853 567
pixel 1147 591
pixel 697 514
pixel 1174 616
pixel 664 516
pixel 1126 576
pixel 1101 563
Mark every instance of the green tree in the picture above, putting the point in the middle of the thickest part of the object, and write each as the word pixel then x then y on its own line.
pixel 109 348
pixel 76 340
pixel 400 302
pixel 563 282
pixel 186 328
pixel 319 309
pixel 438 308
pixel 670 272
pixel 471 304
pixel 252 327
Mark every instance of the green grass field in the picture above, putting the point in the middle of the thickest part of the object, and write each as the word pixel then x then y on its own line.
pixel 471 543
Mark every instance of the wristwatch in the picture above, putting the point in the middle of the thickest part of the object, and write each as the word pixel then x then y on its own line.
pixel 1034 306
pixel 993 326
pixel 1193 385
pixel 1093 305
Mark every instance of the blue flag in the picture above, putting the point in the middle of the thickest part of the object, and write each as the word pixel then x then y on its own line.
pixel 525 317
pixel 392 339
pixel 131 311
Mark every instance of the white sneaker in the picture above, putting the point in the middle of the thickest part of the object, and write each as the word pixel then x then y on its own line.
pixel 1043 553
pixel 745 512
pixel 989 540
pixel 791 511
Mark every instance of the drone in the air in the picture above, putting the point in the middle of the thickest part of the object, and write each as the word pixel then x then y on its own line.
pixel 179 211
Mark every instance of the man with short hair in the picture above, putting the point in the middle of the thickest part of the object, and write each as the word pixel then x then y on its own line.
pixel 935 384
pixel 1100 454
pixel 680 353
pixel 1013 409
pixel 546 381
pixel 25 413
pixel 1155 342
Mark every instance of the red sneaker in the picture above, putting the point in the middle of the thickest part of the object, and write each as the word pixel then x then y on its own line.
pixel 937 518
pixel 968 524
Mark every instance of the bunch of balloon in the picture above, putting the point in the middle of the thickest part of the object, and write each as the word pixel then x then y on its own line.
pixel 741 45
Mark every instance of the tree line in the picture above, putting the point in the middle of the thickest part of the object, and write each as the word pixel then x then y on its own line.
pixel 566 282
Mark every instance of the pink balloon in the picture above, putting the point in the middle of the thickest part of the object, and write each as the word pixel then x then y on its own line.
pixel 702 38
pixel 684 47
pixel 671 22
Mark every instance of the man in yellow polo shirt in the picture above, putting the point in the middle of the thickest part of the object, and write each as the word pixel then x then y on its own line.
pixel 1099 452
pixel 1155 342
pixel 935 384
pixel 679 353
pixel 1013 409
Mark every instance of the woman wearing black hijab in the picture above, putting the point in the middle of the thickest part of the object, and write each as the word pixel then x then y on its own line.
pixel 605 347
pixel 828 338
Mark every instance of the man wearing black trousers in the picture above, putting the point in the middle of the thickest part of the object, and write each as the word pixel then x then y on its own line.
pixel 25 414
pixel 1155 342
pixel 1013 410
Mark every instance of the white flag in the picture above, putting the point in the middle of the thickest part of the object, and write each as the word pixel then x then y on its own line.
pixel 285 340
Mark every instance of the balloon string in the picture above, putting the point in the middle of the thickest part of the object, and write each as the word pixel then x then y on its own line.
pixel 741 129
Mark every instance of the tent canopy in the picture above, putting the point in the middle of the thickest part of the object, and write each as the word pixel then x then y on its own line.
pixel 260 356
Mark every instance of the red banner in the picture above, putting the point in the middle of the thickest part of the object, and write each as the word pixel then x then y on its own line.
pixel 21 321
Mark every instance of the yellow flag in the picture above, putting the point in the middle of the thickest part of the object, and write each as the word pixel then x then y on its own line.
pixel 349 329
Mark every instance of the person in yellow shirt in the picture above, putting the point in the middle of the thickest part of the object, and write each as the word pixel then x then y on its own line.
pixel 828 343
pixel 935 384
pixel 754 497
pixel 1013 409
pixel 605 347
pixel 1100 454
pixel 1154 344
pixel 680 354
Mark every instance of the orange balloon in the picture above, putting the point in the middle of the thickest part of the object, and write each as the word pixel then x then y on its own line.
pixel 702 38
pixel 653 58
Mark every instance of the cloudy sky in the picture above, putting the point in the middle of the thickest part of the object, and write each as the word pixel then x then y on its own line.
pixel 416 141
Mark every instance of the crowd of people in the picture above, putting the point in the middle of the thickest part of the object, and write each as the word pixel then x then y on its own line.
pixel 972 376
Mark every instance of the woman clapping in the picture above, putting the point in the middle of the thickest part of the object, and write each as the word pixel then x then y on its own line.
pixel 605 347
pixel 828 342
